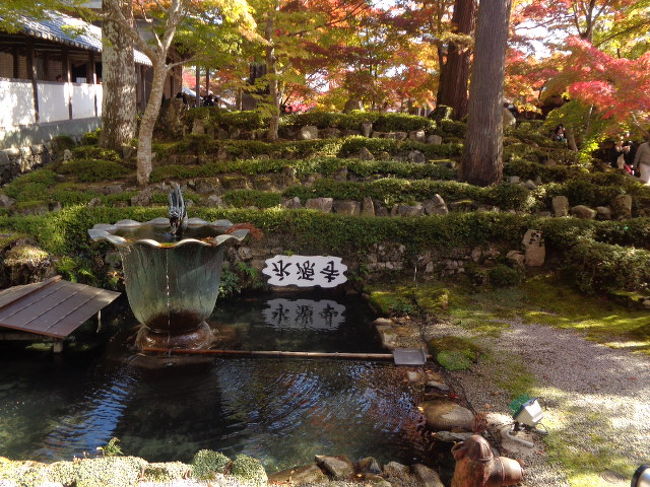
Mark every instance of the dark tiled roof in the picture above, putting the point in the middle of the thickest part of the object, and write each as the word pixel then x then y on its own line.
pixel 71 31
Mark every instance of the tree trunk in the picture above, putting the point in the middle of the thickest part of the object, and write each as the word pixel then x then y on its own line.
pixel 118 79
pixel 271 72
pixel 482 161
pixel 454 74
pixel 148 121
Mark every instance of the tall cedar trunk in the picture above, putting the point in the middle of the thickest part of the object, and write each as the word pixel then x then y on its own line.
pixel 454 74
pixel 271 72
pixel 119 79
pixel 482 162
pixel 145 135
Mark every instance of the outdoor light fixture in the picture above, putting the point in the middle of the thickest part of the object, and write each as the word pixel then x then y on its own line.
pixel 641 477
pixel 528 415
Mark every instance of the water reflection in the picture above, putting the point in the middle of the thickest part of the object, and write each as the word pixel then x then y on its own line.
pixel 304 313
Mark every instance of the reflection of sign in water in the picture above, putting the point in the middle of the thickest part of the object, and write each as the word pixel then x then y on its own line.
pixel 305 271
pixel 304 313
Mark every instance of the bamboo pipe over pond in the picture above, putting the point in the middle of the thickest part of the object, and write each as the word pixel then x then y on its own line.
pixel 273 354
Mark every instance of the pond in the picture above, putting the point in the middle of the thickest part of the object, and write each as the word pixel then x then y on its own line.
pixel 282 411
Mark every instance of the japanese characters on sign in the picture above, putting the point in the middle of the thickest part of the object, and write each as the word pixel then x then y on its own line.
pixel 305 271
pixel 304 313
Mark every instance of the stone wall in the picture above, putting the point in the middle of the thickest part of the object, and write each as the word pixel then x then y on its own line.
pixel 17 161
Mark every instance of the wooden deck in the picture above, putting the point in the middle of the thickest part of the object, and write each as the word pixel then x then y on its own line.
pixel 53 308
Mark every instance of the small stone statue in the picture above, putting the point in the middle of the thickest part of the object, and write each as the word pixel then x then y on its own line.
pixel 177 211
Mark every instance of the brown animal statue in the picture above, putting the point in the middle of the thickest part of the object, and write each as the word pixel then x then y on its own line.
pixel 476 465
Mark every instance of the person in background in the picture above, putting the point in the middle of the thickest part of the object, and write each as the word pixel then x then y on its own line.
pixel 642 161
pixel 616 157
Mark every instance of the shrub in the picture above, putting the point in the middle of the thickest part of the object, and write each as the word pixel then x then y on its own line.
pixel 95 152
pixel 208 462
pixel 504 276
pixel 31 186
pixel 249 469
pixel 352 145
pixel 451 128
pixel 93 170
pixel 242 198
pixel 91 138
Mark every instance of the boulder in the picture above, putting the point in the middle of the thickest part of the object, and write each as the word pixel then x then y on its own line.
pixel 347 207
pixel 416 156
pixel 67 155
pixel 434 139
pixel 369 465
pixel 204 186
pixel 215 201
pixel 513 179
pixel 383 156
pixel 410 210
pixel 395 469
pixel 560 205
pixel 445 415
pixel 320 204
pixel 330 133
pixel 417 136
pixel 435 206
pixel 292 203
pixel 397 135
pixel 530 184
pixel 516 257
pixel 365 154
pixel 367 207
pixel 366 129
pixel 338 468
pixel 244 253
pixel 622 206
pixel 6 201
pixel 603 213
pixel 584 212
pixel 308 132
pixel 198 126
pixel 308 474
pixel 550 162
pixel 509 119
pixel 535 249
pixel 450 437
pixel 143 198
pixel 341 174
pixel 427 476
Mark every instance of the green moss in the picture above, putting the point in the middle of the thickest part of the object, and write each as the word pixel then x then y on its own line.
pixel 113 471
pixel 31 186
pixel 165 472
pixel 63 472
pixel 504 276
pixel 454 353
pixel 23 474
pixel 95 152
pixel 249 469
pixel 93 170
pixel 208 462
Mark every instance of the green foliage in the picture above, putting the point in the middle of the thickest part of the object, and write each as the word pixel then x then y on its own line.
pixel 62 142
pixel 72 194
pixel 243 198
pixel 31 186
pixel 91 138
pixel 352 145
pixel 95 152
pixel 249 470
pixel 504 276
pixel 451 128
pixel 112 448
pixel 454 353
pixel 93 170
pixel 440 169
pixel 395 191
pixel 206 463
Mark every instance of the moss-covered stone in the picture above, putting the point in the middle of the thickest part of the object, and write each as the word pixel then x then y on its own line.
pixel 110 471
pixel 165 472
pixel 207 463
pixel 249 470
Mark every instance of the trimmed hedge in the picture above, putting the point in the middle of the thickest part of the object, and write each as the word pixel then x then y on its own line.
pixel 440 169
pixel 93 170
pixel 253 120
pixel 95 152
pixel 298 149
pixel 394 191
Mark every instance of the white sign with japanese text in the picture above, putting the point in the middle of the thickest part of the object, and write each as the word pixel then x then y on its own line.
pixel 305 271
pixel 304 313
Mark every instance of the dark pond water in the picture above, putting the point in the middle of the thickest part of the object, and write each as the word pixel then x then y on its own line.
pixel 166 408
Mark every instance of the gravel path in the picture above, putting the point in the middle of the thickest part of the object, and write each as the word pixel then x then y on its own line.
pixel 605 391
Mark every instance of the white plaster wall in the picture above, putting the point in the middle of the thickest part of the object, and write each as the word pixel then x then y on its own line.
pixel 99 91
pixel 53 102
pixel 16 103
pixel 83 100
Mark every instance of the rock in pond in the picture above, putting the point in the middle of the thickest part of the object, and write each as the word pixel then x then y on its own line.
pixel 427 476
pixel 307 474
pixel 444 415
pixel 339 468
